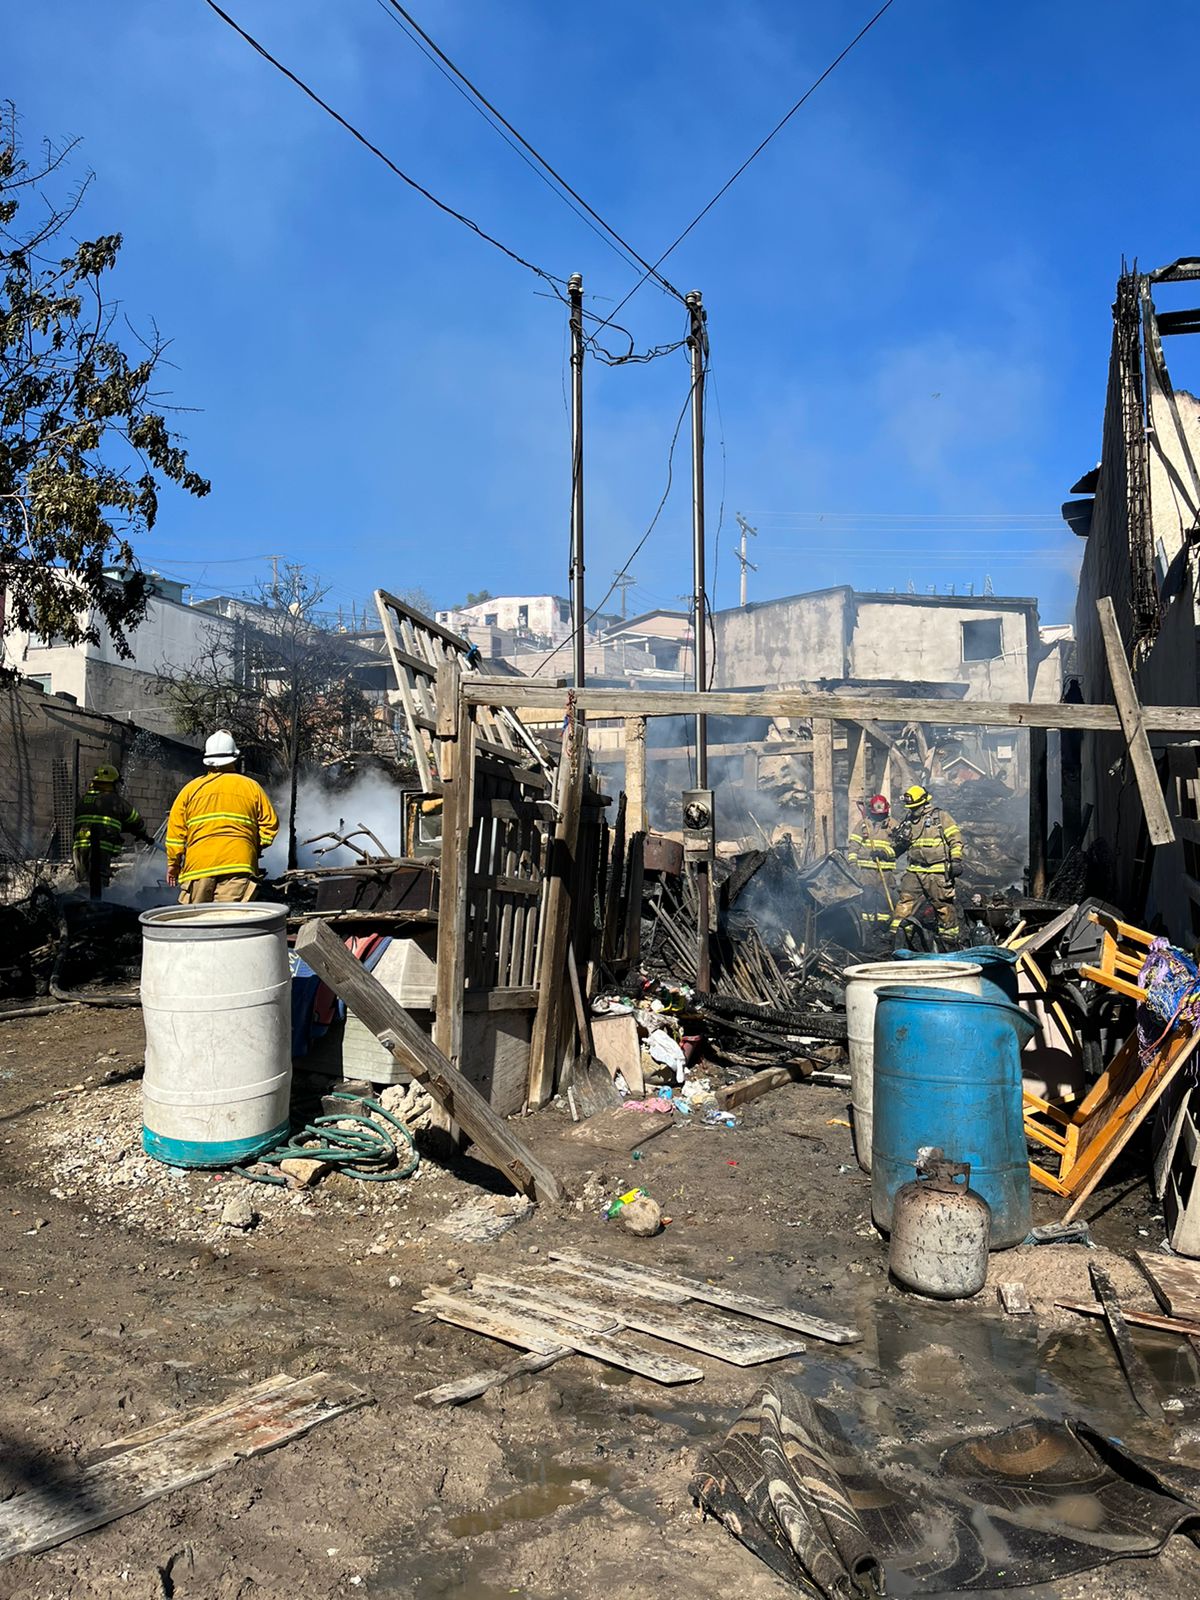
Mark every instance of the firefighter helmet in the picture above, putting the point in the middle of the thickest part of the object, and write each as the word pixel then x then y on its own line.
pixel 106 774
pixel 915 797
pixel 220 749
pixel 878 806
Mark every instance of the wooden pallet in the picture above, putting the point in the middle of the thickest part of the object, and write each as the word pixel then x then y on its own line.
pixel 1089 1137
pixel 418 646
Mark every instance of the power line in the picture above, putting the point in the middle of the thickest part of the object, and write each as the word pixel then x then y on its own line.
pixel 449 210
pixel 482 99
pixel 755 153
pixel 637 549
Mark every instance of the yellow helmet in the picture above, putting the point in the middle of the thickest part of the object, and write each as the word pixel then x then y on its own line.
pixel 107 774
pixel 915 797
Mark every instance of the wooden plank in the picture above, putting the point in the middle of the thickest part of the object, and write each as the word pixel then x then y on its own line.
pixel 1158 818
pixel 619 1128
pixel 550 1332
pixel 1137 1374
pixel 1176 1282
pixel 712 1294
pixel 823 829
pixel 621 703
pixel 740 1344
pixel 1139 1319
pixel 1014 1298
pixel 555 925
pixel 168 1456
pixel 458 780
pixel 741 1093
pixel 387 1019
pixel 1097 1155
pixel 617 1043
pixel 635 773
pixel 1039 811
pixel 636 883
pixel 458 1390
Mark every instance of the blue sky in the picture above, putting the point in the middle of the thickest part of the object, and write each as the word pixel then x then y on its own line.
pixel 908 292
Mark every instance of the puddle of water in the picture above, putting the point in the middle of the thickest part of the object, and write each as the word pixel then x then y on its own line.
pixel 555 1484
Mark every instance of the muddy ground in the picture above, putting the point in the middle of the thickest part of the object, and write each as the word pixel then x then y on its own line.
pixel 125 1300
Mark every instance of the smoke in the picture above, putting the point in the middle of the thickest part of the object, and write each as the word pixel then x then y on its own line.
pixel 140 879
pixel 325 805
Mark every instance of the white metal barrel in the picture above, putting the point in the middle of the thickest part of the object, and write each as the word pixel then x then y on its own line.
pixel 216 1001
pixel 863 983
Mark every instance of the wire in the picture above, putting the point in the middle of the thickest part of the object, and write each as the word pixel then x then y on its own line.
pixel 479 96
pixel 449 210
pixel 637 549
pixel 754 154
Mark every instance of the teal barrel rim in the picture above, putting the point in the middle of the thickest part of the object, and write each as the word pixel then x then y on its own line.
pixel 998 979
pixel 950 1076
pixel 210 1152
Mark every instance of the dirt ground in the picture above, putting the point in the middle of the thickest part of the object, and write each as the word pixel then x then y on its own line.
pixel 124 1300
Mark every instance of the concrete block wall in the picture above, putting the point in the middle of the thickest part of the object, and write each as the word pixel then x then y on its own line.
pixel 40 734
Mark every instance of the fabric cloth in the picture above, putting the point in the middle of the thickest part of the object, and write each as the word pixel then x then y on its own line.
pixel 1000 1511
pixel 206 891
pixel 1172 984
pixel 218 826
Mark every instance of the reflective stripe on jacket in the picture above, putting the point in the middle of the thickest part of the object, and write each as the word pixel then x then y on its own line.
pixel 101 817
pixel 871 846
pixel 936 842
pixel 218 825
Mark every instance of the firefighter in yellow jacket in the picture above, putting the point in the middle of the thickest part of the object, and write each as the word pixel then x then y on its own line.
pixel 933 841
pixel 219 825
pixel 873 851
pixel 102 816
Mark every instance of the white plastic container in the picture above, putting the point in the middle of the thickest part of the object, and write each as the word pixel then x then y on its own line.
pixel 863 983
pixel 216 1002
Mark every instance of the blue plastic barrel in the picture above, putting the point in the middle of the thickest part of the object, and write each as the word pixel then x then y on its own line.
pixel 998 976
pixel 948 1073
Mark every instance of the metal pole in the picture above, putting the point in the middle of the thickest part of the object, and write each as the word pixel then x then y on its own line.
pixel 698 344
pixel 747 564
pixel 575 295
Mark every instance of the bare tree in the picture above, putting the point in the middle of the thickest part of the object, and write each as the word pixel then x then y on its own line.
pixel 279 681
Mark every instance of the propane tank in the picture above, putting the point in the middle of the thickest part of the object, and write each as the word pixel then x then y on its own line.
pixel 940 1231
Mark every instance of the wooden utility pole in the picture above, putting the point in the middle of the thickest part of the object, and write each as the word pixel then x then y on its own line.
pixel 698 348
pixel 578 617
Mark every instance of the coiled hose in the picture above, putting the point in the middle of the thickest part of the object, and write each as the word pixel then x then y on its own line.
pixel 361 1151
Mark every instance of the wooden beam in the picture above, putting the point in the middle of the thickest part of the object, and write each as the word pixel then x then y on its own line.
pixel 1039 798
pixel 554 930
pixel 1133 725
pixel 621 703
pixel 456 760
pixel 635 773
pixel 391 1024
pixel 823 814
pixel 744 1090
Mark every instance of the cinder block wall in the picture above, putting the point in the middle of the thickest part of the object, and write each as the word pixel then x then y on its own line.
pixel 41 735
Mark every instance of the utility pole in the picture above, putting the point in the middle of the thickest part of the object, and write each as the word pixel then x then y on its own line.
pixel 698 349
pixel 698 346
pixel 275 560
pixel 575 296
pixel 741 555
pixel 624 581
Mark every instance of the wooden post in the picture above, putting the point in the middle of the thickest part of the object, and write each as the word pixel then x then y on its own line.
pixel 858 753
pixel 1158 818
pixel 824 839
pixel 387 1019
pixel 635 773
pixel 456 762
pixel 555 930
pixel 1038 812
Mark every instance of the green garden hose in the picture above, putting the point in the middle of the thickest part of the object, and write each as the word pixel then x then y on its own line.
pixel 361 1151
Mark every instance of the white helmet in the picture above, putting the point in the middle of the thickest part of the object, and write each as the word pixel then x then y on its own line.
pixel 220 750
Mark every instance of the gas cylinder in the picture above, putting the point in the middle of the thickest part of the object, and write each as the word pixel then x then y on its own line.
pixel 940 1231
